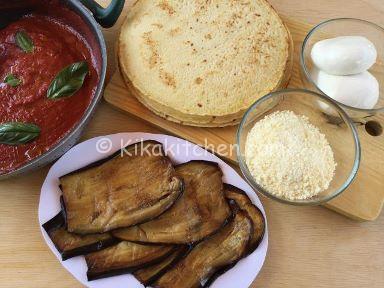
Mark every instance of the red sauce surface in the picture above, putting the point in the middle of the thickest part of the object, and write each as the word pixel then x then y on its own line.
pixel 56 45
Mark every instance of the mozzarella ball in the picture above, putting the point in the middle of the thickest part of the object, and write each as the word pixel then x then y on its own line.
pixel 345 55
pixel 359 90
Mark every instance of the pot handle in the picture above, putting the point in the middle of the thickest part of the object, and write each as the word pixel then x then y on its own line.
pixel 108 16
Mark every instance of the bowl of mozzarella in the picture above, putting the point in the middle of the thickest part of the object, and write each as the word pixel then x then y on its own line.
pixel 344 59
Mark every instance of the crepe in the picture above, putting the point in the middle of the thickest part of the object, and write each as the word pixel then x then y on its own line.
pixel 203 63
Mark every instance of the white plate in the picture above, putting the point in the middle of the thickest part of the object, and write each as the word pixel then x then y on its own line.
pixel 180 151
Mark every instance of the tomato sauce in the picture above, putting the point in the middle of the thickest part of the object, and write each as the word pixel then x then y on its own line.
pixel 56 45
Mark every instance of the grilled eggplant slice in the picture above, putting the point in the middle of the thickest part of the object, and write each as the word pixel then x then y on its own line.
pixel 200 211
pixel 134 186
pixel 69 244
pixel 150 274
pixel 124 257
pixel 241 199
pixel 220 250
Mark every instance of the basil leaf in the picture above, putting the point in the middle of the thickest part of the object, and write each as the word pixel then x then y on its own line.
pixel 14 133
pixel 11 80
pixel 24 41
pixel 68 81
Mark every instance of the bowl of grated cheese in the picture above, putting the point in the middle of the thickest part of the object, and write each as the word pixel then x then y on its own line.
pixel 291 151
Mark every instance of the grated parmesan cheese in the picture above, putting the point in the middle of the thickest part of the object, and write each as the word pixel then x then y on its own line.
pixel 288 156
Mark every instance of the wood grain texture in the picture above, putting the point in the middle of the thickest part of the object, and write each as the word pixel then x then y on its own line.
pixel 309 246
pixel 363 200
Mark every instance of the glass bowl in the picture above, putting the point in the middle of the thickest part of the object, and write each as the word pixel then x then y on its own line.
pixel 338 129
pixel 346 27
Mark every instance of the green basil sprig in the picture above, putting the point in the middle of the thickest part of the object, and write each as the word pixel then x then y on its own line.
pixel 24 42
pixel 14 133
pixel 68 81
pixel 12 80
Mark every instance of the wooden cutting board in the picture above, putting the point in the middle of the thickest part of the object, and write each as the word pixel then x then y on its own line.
pixel 363 200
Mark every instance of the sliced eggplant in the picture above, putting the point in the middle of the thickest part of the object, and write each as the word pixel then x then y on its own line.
pixel 211 255
pixel 200 211
pixel 131 187
pixel 69 244
pixel 150 274
pixel 125 257
pixel 242 200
